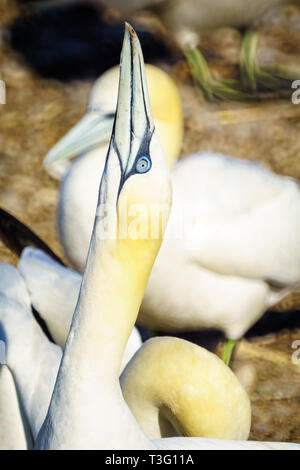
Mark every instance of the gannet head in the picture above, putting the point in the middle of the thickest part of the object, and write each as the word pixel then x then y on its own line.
pixel 94 129
pixel 135 191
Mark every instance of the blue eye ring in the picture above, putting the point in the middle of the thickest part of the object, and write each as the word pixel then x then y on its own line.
pixel 143 164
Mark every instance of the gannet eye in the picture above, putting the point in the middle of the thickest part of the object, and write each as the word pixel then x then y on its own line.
pixel 143 164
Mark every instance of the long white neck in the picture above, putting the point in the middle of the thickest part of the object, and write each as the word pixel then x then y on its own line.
pixel 87 409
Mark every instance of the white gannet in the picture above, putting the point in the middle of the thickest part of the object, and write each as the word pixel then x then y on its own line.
pixel 34 362
pixel 240 258
pixel 15 433
pixel 87 409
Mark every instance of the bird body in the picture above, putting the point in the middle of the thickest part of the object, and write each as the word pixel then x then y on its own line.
pixel 237 226
pixel 248 217
pixel 75 193
pixel 233 230
pixel 196 15
pixel 189 367
pixel 237 207
pixel 14 432
pixel 54 291
pixel 41 369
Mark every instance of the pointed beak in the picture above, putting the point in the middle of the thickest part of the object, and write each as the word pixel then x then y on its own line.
pixel 92 130
pixel 133 126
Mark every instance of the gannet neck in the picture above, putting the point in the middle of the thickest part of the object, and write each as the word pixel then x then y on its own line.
pixel 102 322
pixel 174 387
pixel 111 293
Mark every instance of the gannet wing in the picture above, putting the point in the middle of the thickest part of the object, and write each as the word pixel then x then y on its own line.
pixel 30 356
pixel 53 290
pixel 245 218
pixel 14 429
pixel 15 433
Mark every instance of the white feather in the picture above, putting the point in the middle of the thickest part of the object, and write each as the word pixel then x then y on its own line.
pixel 15 432
pixel 214 273
pixel 32 359
pixel 196 443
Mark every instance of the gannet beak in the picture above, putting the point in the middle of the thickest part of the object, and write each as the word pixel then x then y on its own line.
pixel 135 170
pixel 91 131
pixel 133 126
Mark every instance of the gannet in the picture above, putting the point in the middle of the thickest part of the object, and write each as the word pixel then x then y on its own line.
pixel 239 258
pixel 87 409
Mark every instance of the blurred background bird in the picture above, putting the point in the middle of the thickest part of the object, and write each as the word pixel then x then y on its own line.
pixel 231 200
pixel 186 19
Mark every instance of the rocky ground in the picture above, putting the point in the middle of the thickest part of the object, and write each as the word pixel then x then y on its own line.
pixel 39 111
pixel 265 366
